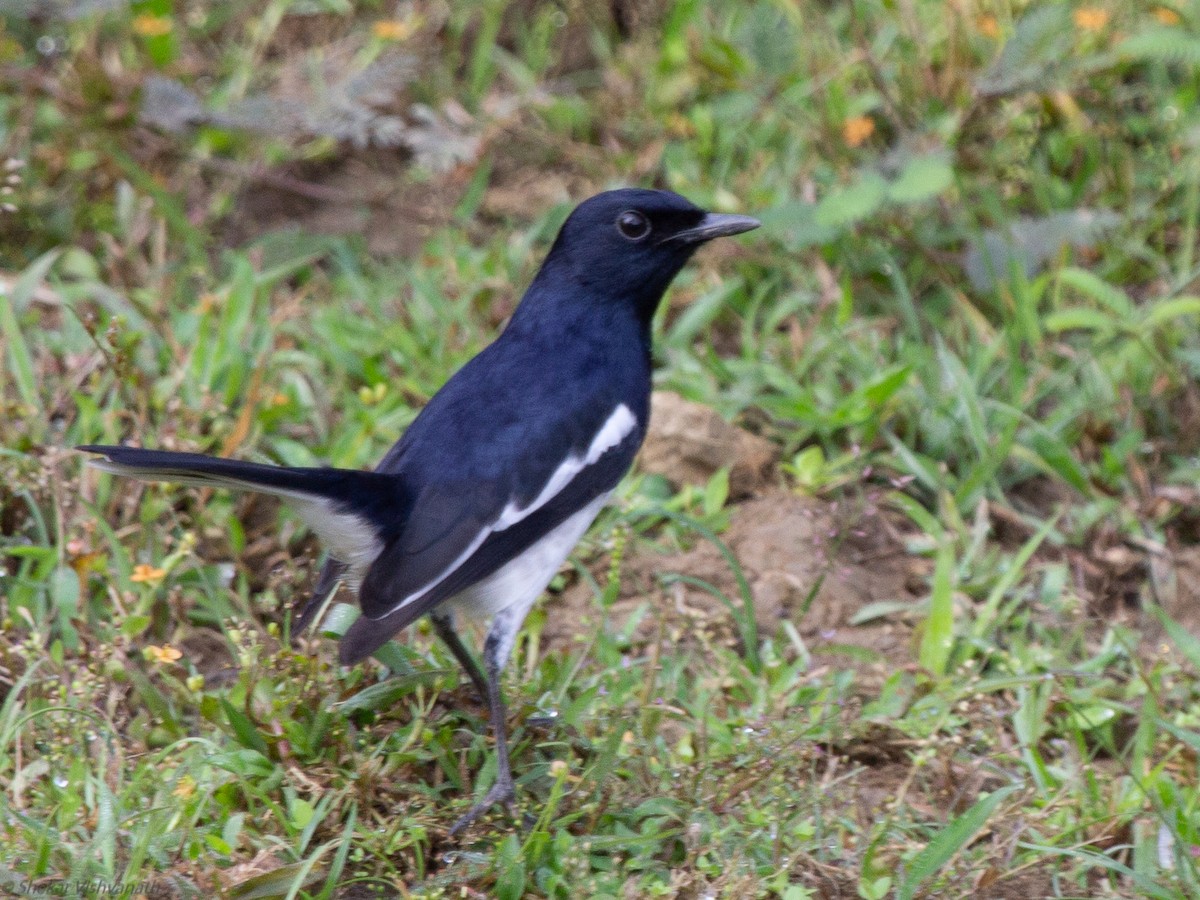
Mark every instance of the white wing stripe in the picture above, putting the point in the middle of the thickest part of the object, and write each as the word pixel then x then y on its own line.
pixel 615 430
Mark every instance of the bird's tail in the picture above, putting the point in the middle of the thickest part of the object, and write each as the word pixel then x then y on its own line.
pixel 343 506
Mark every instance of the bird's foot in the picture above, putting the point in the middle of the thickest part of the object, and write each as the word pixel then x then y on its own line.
pixel 502 792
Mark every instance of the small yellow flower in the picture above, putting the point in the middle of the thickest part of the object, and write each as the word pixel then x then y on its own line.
pixel 857 129
pixel 280 399
pixel 1090 18
pixel 372 394
pixel 988 26
pixel 151 26
pixel 392 29
pixel 1166 16
pixel 163 655
pixel 558 768
pixel 185 788
pixel 147 574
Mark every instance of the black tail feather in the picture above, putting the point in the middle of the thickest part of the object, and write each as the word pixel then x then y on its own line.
pixel 352 511
pixel 197 468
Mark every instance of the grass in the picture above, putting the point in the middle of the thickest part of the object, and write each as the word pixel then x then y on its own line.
pixel 970 324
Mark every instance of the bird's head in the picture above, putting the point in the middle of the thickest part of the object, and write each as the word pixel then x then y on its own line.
pixel 629 244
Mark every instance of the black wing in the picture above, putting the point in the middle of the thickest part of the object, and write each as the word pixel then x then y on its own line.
pixel 387 577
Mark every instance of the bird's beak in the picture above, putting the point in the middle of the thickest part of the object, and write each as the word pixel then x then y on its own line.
pixel 713 225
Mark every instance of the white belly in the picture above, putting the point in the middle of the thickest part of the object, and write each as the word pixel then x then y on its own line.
pixel 513 588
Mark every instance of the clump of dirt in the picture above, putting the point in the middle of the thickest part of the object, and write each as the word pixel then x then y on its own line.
pixel 688 442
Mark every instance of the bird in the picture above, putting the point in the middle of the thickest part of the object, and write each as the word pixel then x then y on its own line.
pixel 475 508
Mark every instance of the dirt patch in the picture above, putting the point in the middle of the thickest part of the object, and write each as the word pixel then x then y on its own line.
pixel 807 562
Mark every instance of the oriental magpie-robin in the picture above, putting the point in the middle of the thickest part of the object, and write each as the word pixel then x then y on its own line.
pixel 475 508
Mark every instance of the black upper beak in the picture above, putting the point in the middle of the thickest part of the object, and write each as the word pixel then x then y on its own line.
pixel 713 225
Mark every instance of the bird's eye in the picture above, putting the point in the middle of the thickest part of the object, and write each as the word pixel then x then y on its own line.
pixel 633 225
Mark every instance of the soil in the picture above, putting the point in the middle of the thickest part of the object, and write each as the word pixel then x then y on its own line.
pixel 805 563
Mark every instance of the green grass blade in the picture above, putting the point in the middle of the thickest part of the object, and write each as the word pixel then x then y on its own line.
pixel 12 302
pixel 951 840
pixel 1178 308
pixel 1188 643
pixel 938 639
pixel 342 854
pixel 286 881
pixel 1009 577
pixel 1148 888
pixel 243 728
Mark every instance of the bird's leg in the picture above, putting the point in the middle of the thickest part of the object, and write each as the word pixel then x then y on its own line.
pixel 504 790
pixel 443 626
